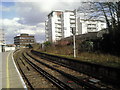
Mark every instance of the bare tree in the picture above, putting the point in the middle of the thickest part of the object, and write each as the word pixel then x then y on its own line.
pixel 109 10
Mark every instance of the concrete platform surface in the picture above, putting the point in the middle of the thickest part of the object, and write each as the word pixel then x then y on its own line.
pixel 9 75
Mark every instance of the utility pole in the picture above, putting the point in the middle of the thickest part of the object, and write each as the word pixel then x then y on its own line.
pixel 74 29
pixel 74 44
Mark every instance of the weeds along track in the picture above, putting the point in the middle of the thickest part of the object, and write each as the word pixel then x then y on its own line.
pixel 87 82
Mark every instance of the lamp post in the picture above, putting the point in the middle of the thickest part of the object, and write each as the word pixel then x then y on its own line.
pixel 74 44
pixel 74 29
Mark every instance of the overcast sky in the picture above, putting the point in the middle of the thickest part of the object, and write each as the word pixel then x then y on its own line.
pixel 28 16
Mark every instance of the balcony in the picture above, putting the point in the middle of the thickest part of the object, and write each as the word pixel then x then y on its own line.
pixel 72 21
pixel 58 22
pixel 58 28
pixel 72 17
pixel 58 35
pixel 72 25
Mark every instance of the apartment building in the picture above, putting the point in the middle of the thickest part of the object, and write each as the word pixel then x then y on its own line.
pixel 53 26
pixel 23 40
pixel 86 25
pixel 69 18
pixel 59 25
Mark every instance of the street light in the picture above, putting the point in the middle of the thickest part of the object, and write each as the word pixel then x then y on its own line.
pixel 74 29
pixel 74 47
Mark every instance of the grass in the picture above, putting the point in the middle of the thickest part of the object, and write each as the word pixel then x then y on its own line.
pixel 67 51
pixel 104 59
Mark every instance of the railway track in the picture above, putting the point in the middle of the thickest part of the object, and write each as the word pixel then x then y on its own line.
pixel 48 76
pixel 56 74
pixel 32 78
pixel 87 81
pixel 106 86
pixel 106 74
pixel 24 76
pixel 56 80
pixel 89 85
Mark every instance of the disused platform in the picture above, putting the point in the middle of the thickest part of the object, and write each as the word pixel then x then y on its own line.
pixel 9 74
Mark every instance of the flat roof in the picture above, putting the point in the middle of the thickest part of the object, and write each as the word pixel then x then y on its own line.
pixel 54 11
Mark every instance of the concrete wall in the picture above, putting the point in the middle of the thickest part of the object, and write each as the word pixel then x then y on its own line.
pixel 9 48
pixel 0 48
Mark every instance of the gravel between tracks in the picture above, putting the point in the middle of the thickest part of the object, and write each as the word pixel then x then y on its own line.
pixel 57 75
pixel 37 80
pixel 72 72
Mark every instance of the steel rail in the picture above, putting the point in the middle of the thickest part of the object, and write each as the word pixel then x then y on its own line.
pixel 57 82
pixel 75 79
pixel 24 76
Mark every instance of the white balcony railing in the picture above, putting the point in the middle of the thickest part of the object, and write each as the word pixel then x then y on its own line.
pixel 72 17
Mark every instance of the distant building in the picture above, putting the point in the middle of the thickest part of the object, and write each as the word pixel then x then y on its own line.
pixel 59 25
pixel 9 47
pixel 23 40
pixel 2 41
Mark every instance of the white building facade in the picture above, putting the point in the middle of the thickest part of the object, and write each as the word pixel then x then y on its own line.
pixel 86 26
pixel 59 25
pixel 69 22
pixel 53 26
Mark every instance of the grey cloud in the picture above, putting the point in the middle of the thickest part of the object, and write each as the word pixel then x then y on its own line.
pixel 36 12
pixel 40 37
pixel 30 12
